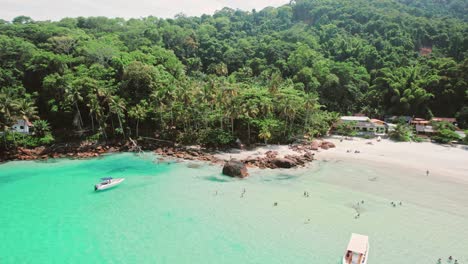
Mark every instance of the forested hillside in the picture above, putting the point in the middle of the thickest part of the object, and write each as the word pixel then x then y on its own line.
pixel 262 75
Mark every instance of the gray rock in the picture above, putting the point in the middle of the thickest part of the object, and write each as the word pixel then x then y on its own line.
pixel 235 168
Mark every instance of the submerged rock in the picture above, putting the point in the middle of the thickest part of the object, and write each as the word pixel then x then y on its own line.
pixel 235 168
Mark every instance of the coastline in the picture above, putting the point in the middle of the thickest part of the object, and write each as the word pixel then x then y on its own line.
pixel 443 161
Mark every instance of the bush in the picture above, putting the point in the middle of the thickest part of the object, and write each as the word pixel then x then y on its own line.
pixel 445 136
pixel 20 140
pixel 402 132
pixel 47 139
pixel 15 139
pixel 346 128
pixel 215 137
pixel 95 137
pixel 443 125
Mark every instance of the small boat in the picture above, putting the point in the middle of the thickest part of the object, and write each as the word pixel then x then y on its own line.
pixel 107 183
pixel 357 251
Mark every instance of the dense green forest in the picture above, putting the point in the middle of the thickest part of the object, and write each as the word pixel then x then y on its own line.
pixel 269 75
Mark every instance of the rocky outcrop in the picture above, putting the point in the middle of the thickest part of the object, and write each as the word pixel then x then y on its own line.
pixel 235 168
pixel 284 162
pixel 78 150
pixel 85 149
pixel 327 145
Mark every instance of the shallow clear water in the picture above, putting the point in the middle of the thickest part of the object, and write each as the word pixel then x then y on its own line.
pixel 170 213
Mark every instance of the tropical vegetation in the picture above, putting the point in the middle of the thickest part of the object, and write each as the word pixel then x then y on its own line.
pixel 272 75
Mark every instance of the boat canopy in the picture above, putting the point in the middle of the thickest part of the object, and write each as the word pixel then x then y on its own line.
pixel 358 243
pixel 106 179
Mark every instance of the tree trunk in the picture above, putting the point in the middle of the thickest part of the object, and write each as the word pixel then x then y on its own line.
pixel 248 132
pixel 92 122
pixel 137 128
pixel 232 126
pixel 79 115
pixel 121 127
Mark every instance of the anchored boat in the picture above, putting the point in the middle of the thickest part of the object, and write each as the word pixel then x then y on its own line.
pixel 107 183
pixel 357 251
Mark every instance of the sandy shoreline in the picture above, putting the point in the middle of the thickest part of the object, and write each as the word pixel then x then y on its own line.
pixel 448 162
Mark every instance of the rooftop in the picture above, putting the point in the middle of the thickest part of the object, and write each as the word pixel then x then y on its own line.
pixel 355 118
pixel 358 243
pixel 447 119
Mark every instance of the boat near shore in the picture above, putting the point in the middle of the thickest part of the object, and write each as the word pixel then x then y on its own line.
pixel 107 183
pixel 357 250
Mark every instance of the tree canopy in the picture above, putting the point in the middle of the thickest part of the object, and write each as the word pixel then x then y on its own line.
pixel 267 75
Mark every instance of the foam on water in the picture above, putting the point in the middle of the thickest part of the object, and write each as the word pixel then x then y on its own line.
pixel 171 213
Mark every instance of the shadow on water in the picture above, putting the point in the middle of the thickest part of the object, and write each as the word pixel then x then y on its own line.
pixel 6 179
pixel 219 179
pixel 281 177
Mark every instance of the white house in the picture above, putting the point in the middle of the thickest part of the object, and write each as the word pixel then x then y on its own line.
pixel 22 126
pixel 365 125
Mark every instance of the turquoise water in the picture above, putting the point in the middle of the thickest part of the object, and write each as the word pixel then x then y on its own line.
pixel 170 213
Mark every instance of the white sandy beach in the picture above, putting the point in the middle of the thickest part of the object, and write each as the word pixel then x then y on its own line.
pixel 441 160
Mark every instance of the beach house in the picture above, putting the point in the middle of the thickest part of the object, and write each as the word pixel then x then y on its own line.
pixel 363 125
pixel 22 126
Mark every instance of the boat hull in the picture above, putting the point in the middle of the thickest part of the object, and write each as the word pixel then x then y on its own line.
pixel 105 186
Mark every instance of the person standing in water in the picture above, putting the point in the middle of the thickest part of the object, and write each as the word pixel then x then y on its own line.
pixel 427 172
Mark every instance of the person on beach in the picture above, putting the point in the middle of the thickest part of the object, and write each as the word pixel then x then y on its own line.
pixel 427 172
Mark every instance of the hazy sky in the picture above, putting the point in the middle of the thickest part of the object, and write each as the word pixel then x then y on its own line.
pixel 57 9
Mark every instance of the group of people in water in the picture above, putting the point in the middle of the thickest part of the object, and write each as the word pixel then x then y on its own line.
pixel 395 204
pixel 439 261
pixel 357 208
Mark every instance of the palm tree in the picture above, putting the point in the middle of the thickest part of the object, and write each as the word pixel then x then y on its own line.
pixel 139 112
pixel 7 109
pixel 73 96
pixel 117 106
pixel 310 104
pixel 41 127
pixel 26 108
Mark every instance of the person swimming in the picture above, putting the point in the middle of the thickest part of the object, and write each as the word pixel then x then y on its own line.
pixel 275 204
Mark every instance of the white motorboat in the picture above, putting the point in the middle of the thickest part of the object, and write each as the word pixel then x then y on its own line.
pixel 107 183
pixel 357 251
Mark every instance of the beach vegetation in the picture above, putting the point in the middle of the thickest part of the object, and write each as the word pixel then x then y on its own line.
pixel 445 136
pixel 402 132
pixel 346 128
